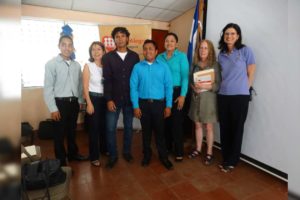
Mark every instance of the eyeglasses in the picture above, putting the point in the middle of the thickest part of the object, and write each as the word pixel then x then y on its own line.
pixel 227 34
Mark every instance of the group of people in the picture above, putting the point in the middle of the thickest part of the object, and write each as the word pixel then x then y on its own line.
pixel 153 90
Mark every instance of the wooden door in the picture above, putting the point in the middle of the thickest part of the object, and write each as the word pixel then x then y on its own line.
pixel 159 37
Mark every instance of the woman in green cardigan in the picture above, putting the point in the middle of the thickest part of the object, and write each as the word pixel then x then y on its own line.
pixel 203 108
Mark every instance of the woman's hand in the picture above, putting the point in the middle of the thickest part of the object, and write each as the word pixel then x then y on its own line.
pixel 180 102
pixel 167 112
pixel 90 109
pixel 197 91
pixel 203 86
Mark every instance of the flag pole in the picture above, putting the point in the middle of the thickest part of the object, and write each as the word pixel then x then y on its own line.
pixel 204 11
pixel 200 18
pixel 194 34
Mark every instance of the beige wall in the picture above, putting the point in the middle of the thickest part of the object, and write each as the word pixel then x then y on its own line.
pixel 9 12
pixel 76 16
pixel 182 27
pixel 10 123
pixel 33 107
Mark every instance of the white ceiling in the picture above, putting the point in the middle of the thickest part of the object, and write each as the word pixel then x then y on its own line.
pixel 161 10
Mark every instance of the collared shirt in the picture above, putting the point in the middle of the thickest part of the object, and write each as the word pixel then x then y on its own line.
pixel 151 81
pixel 179 66
pixel 234 71
pixel 116 74
pixel 62 80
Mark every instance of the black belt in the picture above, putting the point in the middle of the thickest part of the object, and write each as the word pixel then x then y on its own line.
pixel 152 100
pixel 68 99
pixel 96 94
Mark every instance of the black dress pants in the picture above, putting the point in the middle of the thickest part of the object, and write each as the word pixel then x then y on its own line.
pixel 173 124
pixel 232 110
pixel 153 120
pixel 97 124
pixel 69 110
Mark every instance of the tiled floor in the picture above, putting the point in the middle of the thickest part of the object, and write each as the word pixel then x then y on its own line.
pixel 188 180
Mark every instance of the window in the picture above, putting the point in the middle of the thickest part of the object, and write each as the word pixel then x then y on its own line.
pixel 39 43
pixel 83 36
pixel 39 40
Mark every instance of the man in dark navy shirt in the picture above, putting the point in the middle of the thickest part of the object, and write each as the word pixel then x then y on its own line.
pixel 117 67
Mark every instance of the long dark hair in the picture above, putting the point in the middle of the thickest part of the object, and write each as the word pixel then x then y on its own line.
pixel 238 44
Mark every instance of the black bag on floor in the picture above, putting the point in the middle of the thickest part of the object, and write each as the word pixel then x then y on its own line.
pixel 46 129
pixel 42 174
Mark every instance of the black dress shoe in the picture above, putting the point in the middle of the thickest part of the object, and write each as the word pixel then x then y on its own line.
pixel 78 157
pixel 168 165
pixel 145 162
pixel 111 163
pixel 128 157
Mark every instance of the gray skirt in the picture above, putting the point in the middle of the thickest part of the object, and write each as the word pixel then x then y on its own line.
pixel 203 107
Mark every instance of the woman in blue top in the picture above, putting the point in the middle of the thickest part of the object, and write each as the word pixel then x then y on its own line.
pixel 179 67
pixel 237 68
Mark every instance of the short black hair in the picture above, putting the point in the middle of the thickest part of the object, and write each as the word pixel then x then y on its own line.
pixel 150 42
pixel 172 34
pixel 121 30
pixel 65 36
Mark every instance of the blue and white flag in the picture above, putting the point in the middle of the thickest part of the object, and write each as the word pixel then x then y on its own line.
pixel 193 35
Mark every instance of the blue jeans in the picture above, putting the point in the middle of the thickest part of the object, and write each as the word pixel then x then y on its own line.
pixel 111 126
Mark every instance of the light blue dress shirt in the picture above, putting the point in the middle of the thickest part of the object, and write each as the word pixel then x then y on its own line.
pixel 62 80
pixel 151 81
pixel 179 66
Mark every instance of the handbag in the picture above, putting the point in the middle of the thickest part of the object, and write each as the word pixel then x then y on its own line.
pixel 41 174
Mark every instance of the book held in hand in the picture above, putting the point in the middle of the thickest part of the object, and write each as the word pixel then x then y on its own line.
pixel 204 76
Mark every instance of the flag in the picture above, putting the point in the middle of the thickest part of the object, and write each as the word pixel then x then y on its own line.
pixel 193 35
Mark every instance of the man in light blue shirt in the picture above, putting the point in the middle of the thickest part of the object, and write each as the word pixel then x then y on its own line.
pixel 151 95
pixel 62 94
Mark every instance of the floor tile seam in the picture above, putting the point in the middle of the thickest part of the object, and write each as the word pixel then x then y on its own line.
pixel 174 191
